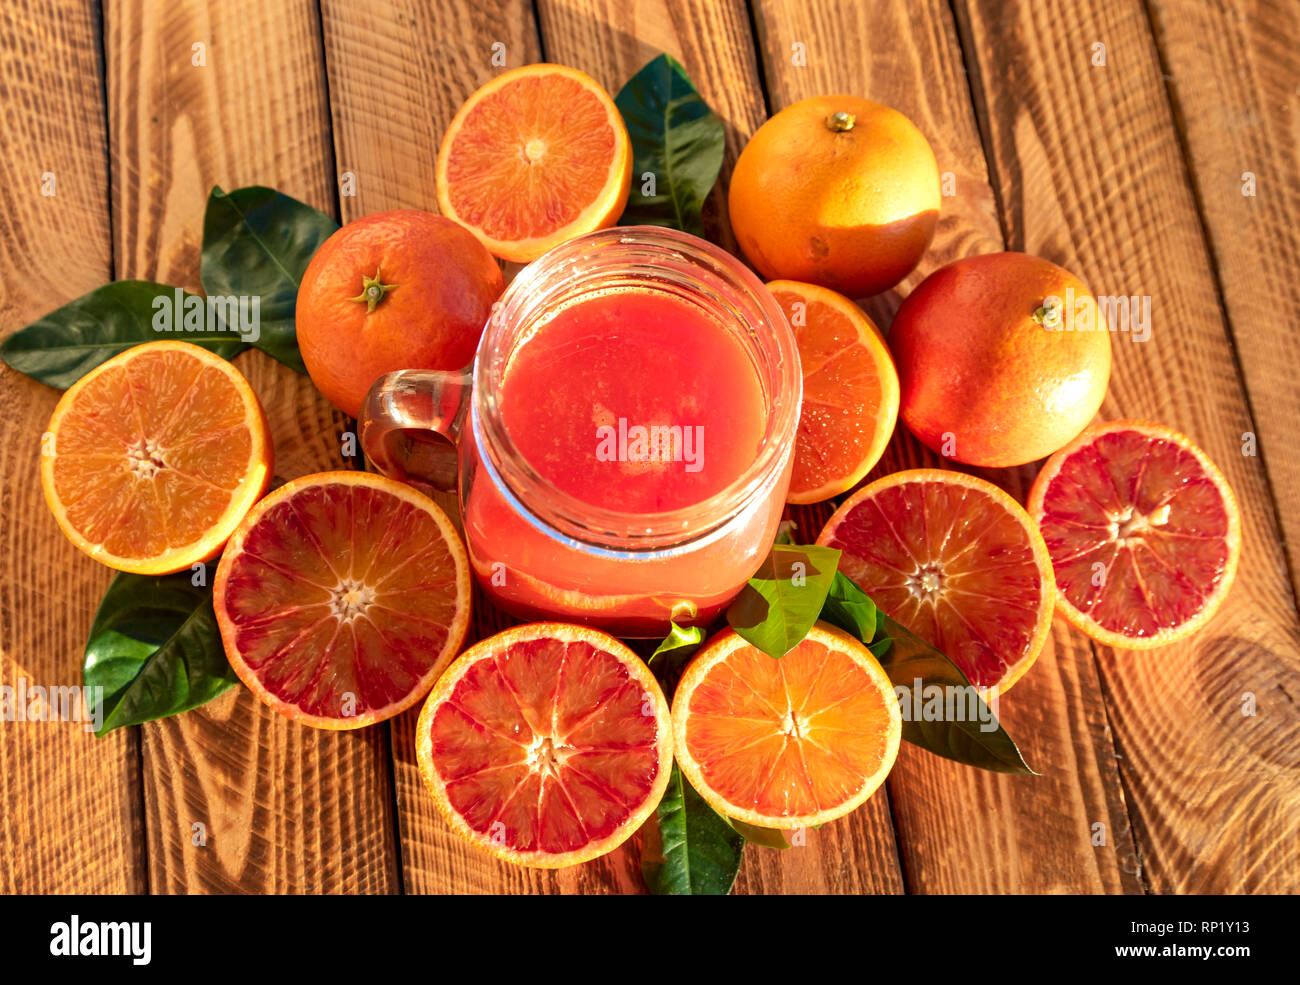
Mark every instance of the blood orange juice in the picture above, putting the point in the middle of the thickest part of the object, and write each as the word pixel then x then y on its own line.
pixel 625 450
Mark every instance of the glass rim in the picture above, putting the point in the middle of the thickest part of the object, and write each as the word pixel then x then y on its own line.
pixel 570 519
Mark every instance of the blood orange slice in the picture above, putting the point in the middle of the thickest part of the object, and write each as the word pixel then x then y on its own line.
pixel 546 745
pixel 850 391
pixel 786 743
pixel 1143 531
pixel 955 560
pixel 152 458
pixel 341 597
pixel 535 157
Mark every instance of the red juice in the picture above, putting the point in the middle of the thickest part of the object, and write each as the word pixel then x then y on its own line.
pixel 641 402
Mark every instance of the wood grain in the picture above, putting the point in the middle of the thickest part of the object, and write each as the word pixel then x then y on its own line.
pixel 1232 73
pixel 398 71
pixel 960 829
pixel 283 808
pixel 71 817
pixel 1088 165
pixel 611 40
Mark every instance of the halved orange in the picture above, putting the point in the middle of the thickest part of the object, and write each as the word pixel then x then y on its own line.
pixel 546 745
pixel 786 743
pixel 341 598
pixel 955 560
pixel 152 458
pixel 535 157
pixel 850 391
pixel 1143 531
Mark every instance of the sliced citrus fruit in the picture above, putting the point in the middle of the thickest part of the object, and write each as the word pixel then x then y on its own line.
pixel 850 391
pixel 955 560
pixel 546 745
pixel 786 743
pixel 1143 532
pixel 342 597
pixel 535 157
pixel 152 458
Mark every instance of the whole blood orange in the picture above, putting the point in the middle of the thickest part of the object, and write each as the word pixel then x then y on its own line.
pixel 997 362
pixel 152 458
pixel 838 191
pixel 1143 531
pixel 955 560
pixel 546 745
pixel 392 290
pixel 786 743
pixel 535 157
pixel 341 598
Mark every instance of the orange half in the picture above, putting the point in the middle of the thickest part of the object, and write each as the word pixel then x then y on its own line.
pixel 152 458
pixel 535 157
pixel 341 598
pixel 1143 530
pixel 786 743
pixel 850 391
pixel 955 560
pixel 546 745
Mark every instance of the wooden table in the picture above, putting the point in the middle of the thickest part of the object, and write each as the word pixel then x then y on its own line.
pixel 1126 164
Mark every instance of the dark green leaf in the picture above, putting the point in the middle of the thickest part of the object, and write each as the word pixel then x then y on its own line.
pixel 63 346
pixel 257 242
pixel 785 532
pixel 690 850
pixel 850 608
pixel 764 837
pixel 155 650
pixel 672 654
pixel 777 607
pixel 972 735
pixel 677 139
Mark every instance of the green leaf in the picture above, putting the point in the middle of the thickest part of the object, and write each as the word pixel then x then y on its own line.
pixel 155 650
pixel 850 608
pixel 764 837
pixel 975 737
pixel 671 655
pixel 691 850
pixel 785 532
pixel 257 242
pixel 777 607
pixel 63 346
pixel 677 139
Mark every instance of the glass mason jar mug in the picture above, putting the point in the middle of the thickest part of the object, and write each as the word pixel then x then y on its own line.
pixel 542 544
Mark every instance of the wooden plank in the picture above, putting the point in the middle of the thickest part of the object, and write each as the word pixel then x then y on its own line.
pixel 960 829
pixel 1088 163
pixel 398 71
pixel 1231 72
pixel 284 808
pixel 73 816
pixel 611 40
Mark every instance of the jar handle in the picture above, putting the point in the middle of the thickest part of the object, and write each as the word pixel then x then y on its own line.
pixel 410 425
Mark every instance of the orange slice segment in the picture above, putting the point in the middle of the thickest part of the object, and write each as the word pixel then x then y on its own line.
pixel 1143 531
pixel 850 391
pixel 786 743
pixel 341 598
pixel 955 560
pixel 535 157
pixel 546 745
pixel 152 458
